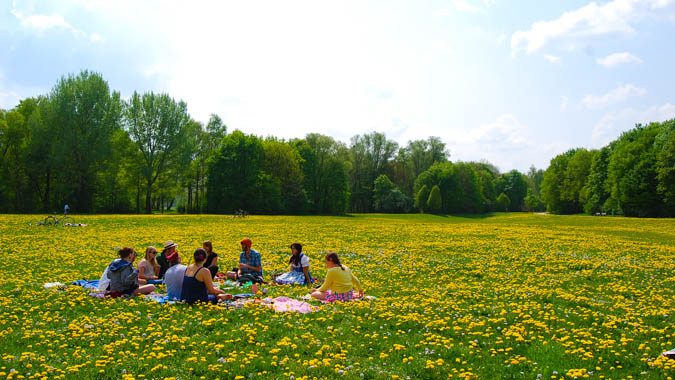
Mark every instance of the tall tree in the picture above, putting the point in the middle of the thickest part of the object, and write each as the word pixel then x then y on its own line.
pixel 595 193
pixel 157 124
pixel 86 115
pixel 282 163
pixel 325 166
pixel 421 198
pixel 665 147
pixel 370 155
pixel 234 175
pixel 514 185
pixel 632 173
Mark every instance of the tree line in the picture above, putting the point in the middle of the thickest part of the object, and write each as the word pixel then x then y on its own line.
pixel 633 175
pixel 82 144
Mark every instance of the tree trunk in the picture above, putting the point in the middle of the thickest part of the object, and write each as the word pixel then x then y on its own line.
pixel 198 211
pixel 148 199
pixel 161 204
pixel 49 180
pixel 138 196
pixel 189 202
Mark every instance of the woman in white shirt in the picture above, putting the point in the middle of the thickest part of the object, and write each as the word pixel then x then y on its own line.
pixel 299 268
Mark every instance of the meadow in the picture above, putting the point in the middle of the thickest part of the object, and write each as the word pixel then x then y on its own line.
pixel 501 296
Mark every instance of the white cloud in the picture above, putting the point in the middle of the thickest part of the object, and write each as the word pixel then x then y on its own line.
pixel 614 17
pixel 465 6
pixel 42 22
pixel 617 59
pixel 504 142
pixel 614 123
pixel 9 99
pixel 617 95
pixel 563 103
pixel 552 58
pixel 470 6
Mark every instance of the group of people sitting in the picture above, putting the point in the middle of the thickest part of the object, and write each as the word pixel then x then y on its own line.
pixel 195 282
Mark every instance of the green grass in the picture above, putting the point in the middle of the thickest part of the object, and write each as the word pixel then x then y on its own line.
pixel 505 295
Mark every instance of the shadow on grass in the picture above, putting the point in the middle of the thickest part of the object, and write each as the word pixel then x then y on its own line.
pixel 466 216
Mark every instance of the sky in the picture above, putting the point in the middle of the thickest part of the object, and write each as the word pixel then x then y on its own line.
pixel 511 82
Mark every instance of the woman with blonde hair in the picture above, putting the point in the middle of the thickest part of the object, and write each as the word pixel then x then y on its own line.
pixel 148 269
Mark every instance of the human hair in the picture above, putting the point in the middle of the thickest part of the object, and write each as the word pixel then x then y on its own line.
pixel 148 251
pixel 199 255
pixel 125 252
pixel 175 260
pixel 333 257
pixel 208 244
pixel 295 259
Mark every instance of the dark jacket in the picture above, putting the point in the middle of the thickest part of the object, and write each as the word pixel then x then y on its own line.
pixel 163 264
pixel 122 275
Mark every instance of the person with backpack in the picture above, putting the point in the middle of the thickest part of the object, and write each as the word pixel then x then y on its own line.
pixel 123 277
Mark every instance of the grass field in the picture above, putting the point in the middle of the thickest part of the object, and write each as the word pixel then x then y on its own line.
pixel 506 296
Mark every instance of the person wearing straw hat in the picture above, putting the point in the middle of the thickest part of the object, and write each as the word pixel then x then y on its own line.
pixel 162 258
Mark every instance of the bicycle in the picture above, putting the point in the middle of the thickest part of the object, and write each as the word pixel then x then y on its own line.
pixel 55 221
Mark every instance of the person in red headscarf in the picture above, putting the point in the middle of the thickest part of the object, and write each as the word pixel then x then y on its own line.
pixel 250 263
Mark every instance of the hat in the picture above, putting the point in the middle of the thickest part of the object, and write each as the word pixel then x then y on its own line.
pixel 247 242
pixel 172 256
pixel 169 244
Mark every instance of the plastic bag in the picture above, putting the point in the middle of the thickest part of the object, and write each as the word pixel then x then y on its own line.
pixel 104 281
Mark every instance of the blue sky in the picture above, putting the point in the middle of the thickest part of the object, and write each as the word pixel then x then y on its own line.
pixel 513 82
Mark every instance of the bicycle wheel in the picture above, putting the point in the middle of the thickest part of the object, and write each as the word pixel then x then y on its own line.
pixel 50 220
pixel 67 220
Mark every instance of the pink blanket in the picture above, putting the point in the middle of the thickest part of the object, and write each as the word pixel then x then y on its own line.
pixel 282 304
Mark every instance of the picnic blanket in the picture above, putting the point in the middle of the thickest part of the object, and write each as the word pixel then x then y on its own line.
pixel 283 304
pixel 91 285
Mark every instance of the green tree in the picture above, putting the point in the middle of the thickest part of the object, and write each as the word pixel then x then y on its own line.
pixel 665 159
pixel 282 163
pixel 535 177
pixel 234 174
pixel 415 158
pixel 503 202
pixel 435 203
pixel 369 155
pixel 157 124
pixel 595 194
pixel 421 198
pixel 532 202
pixel 514 185
pixel 564 180
pixel 632 173
pixel 86 115
pixel 388 197
pixel 325 166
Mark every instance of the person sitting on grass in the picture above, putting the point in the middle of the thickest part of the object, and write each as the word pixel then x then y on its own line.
pixel 124 278
pixel 198 283
pixel 299 268
pixel 148 267
pixel 169 248
pixel 212 258
pixel 250 264
pixel 339 280
pixel 173 278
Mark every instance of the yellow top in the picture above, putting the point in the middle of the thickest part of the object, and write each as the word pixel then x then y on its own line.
pixel 340 281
